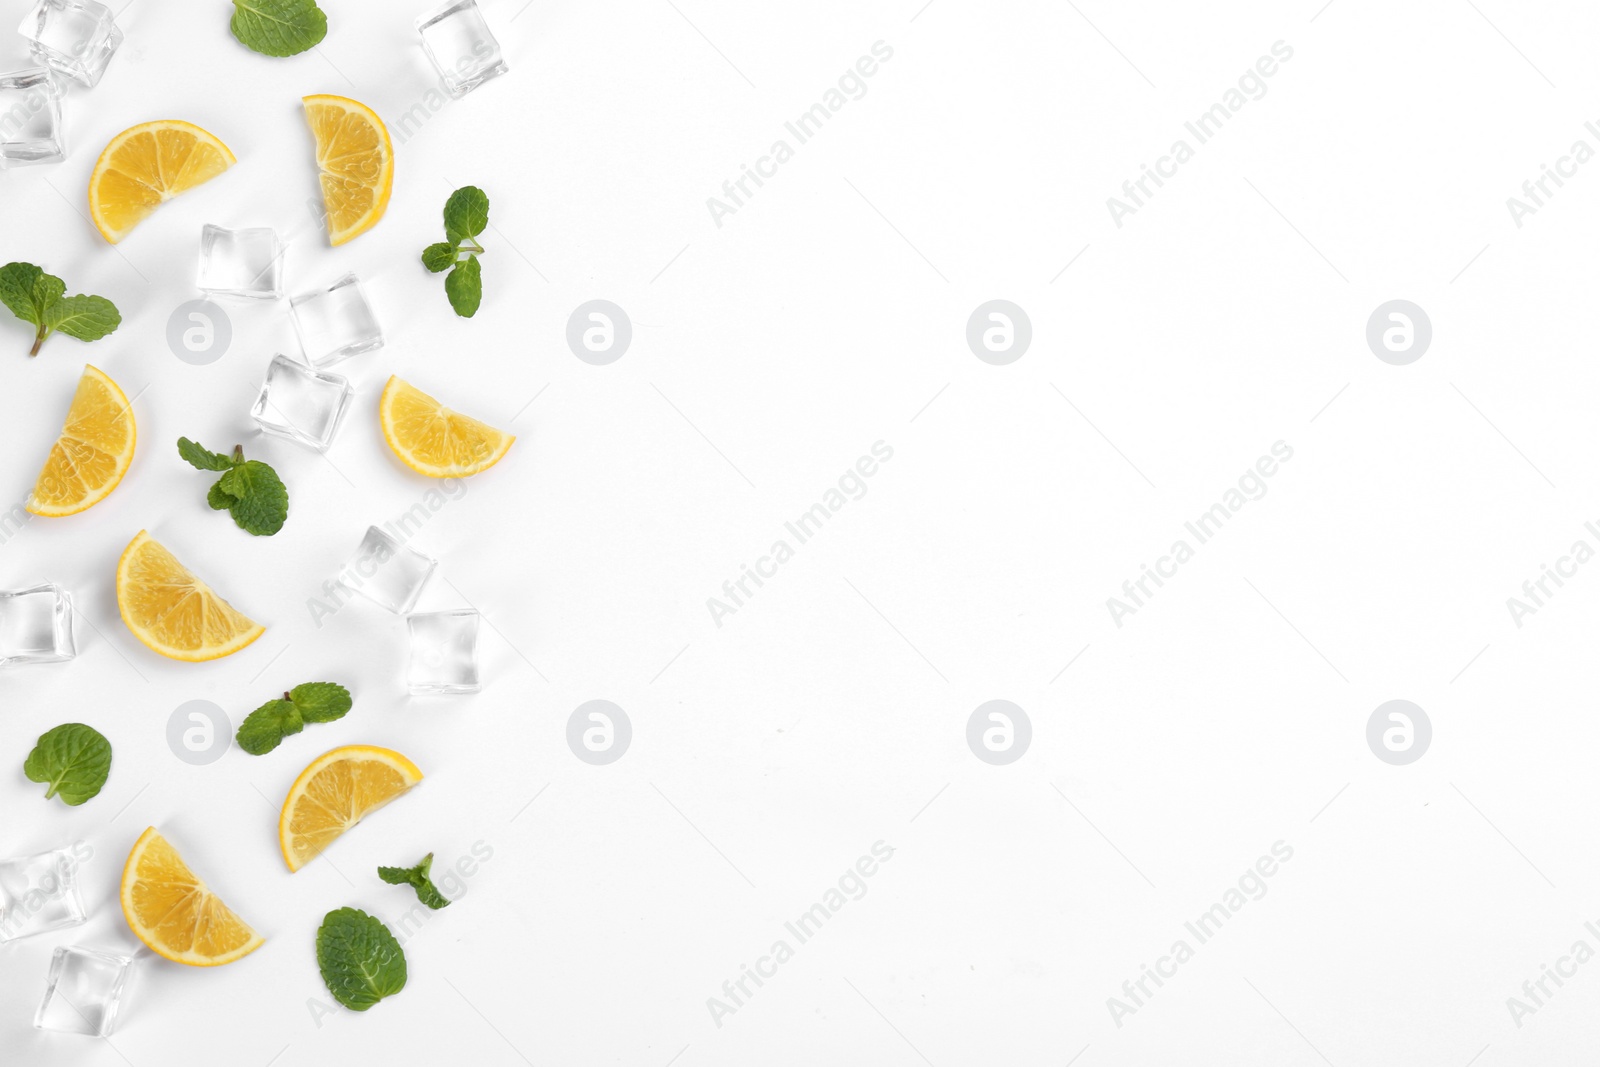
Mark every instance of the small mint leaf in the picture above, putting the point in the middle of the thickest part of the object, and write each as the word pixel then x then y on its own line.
pixel 88 318
pixel 321 701
pixel 73 759
pixel 464 287
pixel 202 458
pixel 439 257
pixel 466 213
pixel 268 725
pixel 261 504
pixel 279 28
pixel 360 960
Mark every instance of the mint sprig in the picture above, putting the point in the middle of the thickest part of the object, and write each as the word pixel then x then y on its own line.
pixel 360 960
pixel 265 728
pixel 74 760
pixel 466 215
pixel 278 28
pixel 418 878
pixel 249 490
pixel 40 300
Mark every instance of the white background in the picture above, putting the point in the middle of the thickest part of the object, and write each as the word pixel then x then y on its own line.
pixel 829 713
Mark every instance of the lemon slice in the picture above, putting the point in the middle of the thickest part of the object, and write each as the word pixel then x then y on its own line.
pixel 335 792
pixel 356 161
pixel 172 611
pixel 145 166
pixel 433 440
pixel 173 912
pixel 93 452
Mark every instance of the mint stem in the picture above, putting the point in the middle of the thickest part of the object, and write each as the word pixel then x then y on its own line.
pixel 38 341
pixel 238 454
pixel 470 246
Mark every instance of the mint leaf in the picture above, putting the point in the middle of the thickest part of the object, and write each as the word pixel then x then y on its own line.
pixel 360 960
pixel 88 318
pixel 73 759
pixel 439 257
pixel 321 701
pixel 464 287
pixel 39 299
pixel 16 290
pixel 202 458
pixel 267 726
pixel 279 28
pixel 417 877
pixel 249 490
pixel 262 504
pixel 466 213
pixel 218 498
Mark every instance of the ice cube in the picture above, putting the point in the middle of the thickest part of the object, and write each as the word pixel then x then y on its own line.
pixel 30 118
pixel 387 572
pixel 444 652
pixel 39 894
pixel 335 323
pixel 302 404
pixel 75 38
pixel 242 263
pixel 36 625
pixel 84 992
pixel 458 41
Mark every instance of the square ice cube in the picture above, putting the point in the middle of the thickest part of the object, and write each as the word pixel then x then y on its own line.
pixel 302 404
pixel 335 323
pixel 444 652
pixel 76 38
pixel 387 572
pixel 30 118
pixel 245 263
pixel 458 41
pixel 36 626
pixel 39 894
pixel 84 992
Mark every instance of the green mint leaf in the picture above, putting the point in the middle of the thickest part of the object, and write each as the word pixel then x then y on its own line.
pixel 269 724
pixel 262 501
pixel 16 290
pixel 218 498
pixel 418 878
pixel 279 27
pixel 464 287
pixel 466 213
pixel 73 759
pixel 88 318
pixel 439 257
pixel 360 960
pixel 47 289
pixel 202 458
pixel 321 701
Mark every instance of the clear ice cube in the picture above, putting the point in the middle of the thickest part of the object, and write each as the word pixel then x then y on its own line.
pixel 302 404
pixel 39 894
pixel 75 38
pixel 243 263
pixel 463 51
pixel 444 652
pixel 84 992
pixel 387 572
pixel 36 626
pixel 335 323
pixel 30 118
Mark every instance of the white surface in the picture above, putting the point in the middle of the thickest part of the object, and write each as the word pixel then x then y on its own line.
pixel 805 729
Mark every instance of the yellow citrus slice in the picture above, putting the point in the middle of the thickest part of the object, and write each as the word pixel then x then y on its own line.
pixel 334 793
pixel 93 452
pixel 172 611
pixel 433 440
pixel 145 166
pixel 173 912
pixel 356 161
